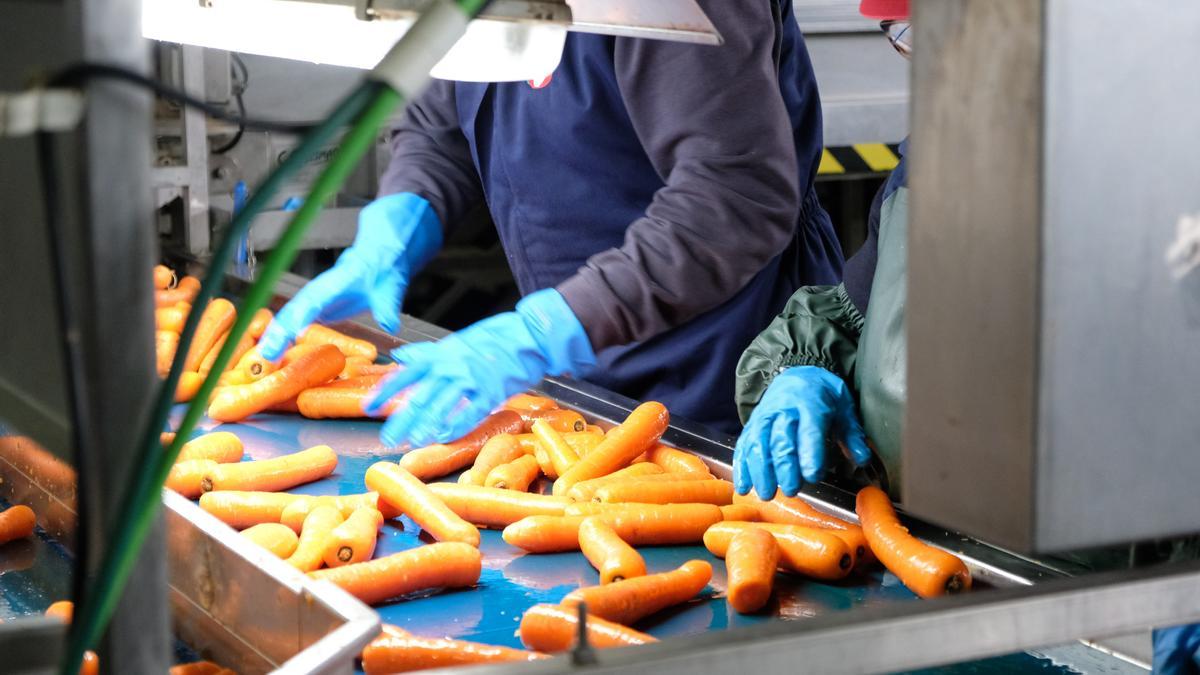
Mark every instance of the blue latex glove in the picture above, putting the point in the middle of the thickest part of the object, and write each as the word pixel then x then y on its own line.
pixel 457 381
pixel 1177 650
pixel 784 438
pixel 397 235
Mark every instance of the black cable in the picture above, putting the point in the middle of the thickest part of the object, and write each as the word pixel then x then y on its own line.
pixel 236 63
pixel 241 130
pixel 76 75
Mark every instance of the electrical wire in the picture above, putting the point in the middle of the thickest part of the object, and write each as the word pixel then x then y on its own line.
pixel 239 88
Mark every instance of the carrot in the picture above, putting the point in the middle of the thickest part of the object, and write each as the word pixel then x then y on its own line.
pixel 530 403
pixel 64 611
pixel 593 508
pixel 188 386
pixel 750 562
pixel 581 442
pixel 165 344
pixel 323 335
pixel 244 345
pixel 171 318
pixel 608 553
pixel 166 438
pixel 214 322
pixel 378 369
pixel 629 601
pixel 221 447
pixel 406 492
pixel 90 664
pixel 438 460
pixel 335 402
pixel 560 420
pixel 186 477
pixel 184 291
pixel 16 522
pixel 925 570
pixel 314 537
pixel 742 513
pixel 275 474
pixel 240 509
pixel 353 364
pixel 796 511
pixel 240 401
pixel 645 525
pixel 356 382
pixel 253 367
pixel 593 429
pixel 293 514
pixel 674 460
pixel 259 322
pixel 399 652
pixel 496 507
pixel 515 475
pixel 542 455
pixel 199 668
pixel 719 492
pixel 499 449
pixel 210 356
pixel 554 628
pixel 815 553
pixel 163 277
pixel 562 455
pixel 448 564
pixel 628 440
pixel 288 406
pixel 585 490
pixel 276 538
pixel 354 540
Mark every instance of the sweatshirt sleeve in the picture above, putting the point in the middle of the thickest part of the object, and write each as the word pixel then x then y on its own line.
pixel 713 122
pixel 819 326
pixel 431 156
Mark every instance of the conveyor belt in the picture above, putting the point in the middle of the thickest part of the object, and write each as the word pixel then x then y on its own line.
pixel 33 573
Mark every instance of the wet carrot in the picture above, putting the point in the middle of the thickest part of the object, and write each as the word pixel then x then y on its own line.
pixel 448 564
pixel 314 537
pixel 354 540
pixel 244 345
pixel 542 456
pixel 214 322
pixel 435 461
pixel 562 455
pixel 750 561
pixel 608 553
pixel 400 652
pixel 645 525
pixel 163 277
pixel 259 322
pixel 378 369
pixel 253 367
pixel 796 511
pixel 353 364
pixel 221 447
pixel 165 344
pixel 805 550
pixel 719 492
pixel 294 514
pixel 495 507
pixel 629 601
pixel 925 570
pixel 530 402
pixel 289 406
pixel 338 403
pixel 356 382
pixel 674 460
pixel 275 537
pixel 186 476
pixel 406 492
pixel 745 513
pixel 593 429
pixel 275 474
pixel 631 438
pixel 323 335
pixel 554 628
pixel 581 442
pixel 241 509
pixel 197 668
pixel 16 522
pixel 166 438
pixel 188 386
pixel 584 491
pixel 64 611
pixel 562 421
pixel 171 318
pixel 516 475
pixel 240 401
pixel 184 291
pixel 499 449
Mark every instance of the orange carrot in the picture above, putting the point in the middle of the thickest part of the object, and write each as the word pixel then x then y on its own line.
pixel 581 442
pixel 652 473
pixel 293 514
pixel 593 429
pixel 553 628
pixel 746 513
pixel 64 611
pixel 515 475
pixel 241 401
pixel 221 447
pixel 804 550
pixel 253 367
pixel 530 402
pixel 448 564
pixel 206 362
pixel 562 455
pixel 674 460
pixel 406 492
pixel 353 364
pixel 16 522
pixel 542 455
pixel 629 601
pixel 561 421
pixel 495 507
pixel 354 540
pixel 259 322
pixel 188 386
pixel 499 449
pixel 199 668
pixel 925 570
pixel 642 428
pixel 324 335
pixel 438 460
pixel 214 322
pixel 244 345
pixel 275 474
pixel 796 511
pixel 184 291
pixel 645 525
pixel 276 538
pixel 163 277
pixel 240 509
pixel 171 318
pixel 334 402
pixel 608 553
pixel 314 537
pixel 399 652
pixel 186 477
pixel 165 344
pixel 750 561
pixel 719 492
pixel 288 406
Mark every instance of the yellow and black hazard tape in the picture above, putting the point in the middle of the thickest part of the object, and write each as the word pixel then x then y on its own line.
pixel 857 159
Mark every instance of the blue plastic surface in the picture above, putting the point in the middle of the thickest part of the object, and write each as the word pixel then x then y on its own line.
pixel 34 573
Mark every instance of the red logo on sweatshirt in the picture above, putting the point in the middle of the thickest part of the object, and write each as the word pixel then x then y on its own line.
pixel 542 83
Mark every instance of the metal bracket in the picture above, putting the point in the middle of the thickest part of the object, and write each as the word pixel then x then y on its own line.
pixel 28 112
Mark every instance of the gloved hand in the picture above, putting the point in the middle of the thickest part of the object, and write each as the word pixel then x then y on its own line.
pixel 397 235
pixel 784 438
pixel 1177 650
pixel 457 381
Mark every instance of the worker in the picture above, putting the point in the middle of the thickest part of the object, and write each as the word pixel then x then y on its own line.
pixel 654 199
pixel 836 351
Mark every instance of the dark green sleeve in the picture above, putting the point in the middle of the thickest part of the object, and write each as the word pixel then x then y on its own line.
pixel 819 326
